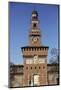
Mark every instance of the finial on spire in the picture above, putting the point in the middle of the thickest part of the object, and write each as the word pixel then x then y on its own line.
pixel 34 12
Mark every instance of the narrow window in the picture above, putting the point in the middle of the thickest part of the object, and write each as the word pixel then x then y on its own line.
pixel 43 67
pixel 35 67
pixel 26 67
pixel 34 25
pixel 39 67
pixel 31 67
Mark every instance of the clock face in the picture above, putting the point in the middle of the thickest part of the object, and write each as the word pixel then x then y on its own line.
pixel 35 39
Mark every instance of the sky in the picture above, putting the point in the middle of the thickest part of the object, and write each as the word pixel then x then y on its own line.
pixel 20 24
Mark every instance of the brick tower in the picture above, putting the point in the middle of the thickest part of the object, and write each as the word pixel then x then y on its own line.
pixel 35 56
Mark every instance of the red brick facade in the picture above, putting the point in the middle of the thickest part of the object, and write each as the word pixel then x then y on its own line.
pixel 35 56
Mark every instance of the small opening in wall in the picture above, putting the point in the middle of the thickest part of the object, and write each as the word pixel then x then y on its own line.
pixel 39 67
pixel 35 67
pixel 34 25
pixel 43 67
pixel 31 67
pixel 26 67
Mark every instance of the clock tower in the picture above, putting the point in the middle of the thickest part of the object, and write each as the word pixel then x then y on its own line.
pixel 35 56
pixel 34 34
